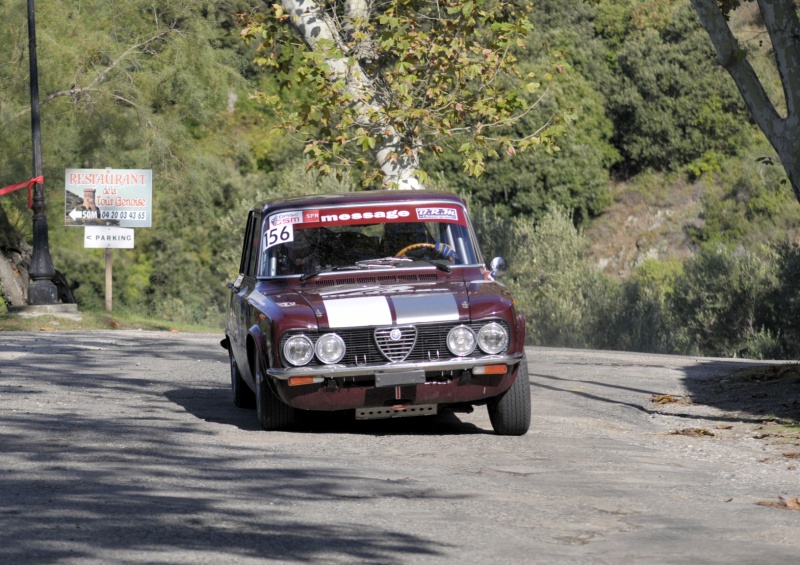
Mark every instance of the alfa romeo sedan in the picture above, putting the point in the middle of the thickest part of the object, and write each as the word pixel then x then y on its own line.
pixel 376 303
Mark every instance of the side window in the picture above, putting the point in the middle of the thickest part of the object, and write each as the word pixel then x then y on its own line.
pixel 253 240
pixel 247 265
pixel 246 244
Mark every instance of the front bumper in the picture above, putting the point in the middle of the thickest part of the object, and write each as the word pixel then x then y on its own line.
pixel 456 364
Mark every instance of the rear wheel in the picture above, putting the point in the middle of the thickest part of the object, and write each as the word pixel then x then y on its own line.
pixel 272 413
pixel 510 413
pixel 241 394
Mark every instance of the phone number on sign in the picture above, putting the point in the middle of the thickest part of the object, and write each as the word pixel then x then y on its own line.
pixel 122 215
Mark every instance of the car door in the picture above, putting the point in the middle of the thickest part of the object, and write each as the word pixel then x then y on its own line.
pixel 240 311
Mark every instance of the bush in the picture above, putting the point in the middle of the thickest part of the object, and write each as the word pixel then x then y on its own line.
pixel 549 274
pixel 783 314
pixel 718 303
pixel 637 317
pixel 722 302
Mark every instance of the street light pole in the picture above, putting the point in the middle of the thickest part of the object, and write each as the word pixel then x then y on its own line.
pixel 41 289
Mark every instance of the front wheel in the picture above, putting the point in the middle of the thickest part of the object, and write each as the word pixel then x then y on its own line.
pixel 241 394
pixel 272 413
pixel 510 413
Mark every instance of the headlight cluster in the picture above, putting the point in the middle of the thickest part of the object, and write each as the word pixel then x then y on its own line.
pixel 299 350
pixel 492 338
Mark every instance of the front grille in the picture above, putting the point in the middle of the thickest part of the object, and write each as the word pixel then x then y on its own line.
pixel 363 349
pixel 396 343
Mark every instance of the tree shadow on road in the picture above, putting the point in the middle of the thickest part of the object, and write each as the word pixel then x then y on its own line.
pixel 99 463
pixel 747 389
pixel 741 391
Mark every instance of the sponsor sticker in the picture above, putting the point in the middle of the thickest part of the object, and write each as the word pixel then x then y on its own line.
pixel 446 214
pixel 328 217
pixel 360 215
pixel 294 217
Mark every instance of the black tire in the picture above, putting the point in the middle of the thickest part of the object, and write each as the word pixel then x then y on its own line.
pixel 241 394
pixel 272 413
pixel 510 413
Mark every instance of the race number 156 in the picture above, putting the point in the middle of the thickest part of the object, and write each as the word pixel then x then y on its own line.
pixel 280 234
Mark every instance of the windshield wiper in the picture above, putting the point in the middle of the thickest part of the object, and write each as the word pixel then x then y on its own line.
pixel 440 266
pixel 392 260
pixel 375 263
pixel 307 276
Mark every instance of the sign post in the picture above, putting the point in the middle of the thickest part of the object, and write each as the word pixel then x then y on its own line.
pixel 109 279
pixel 109 238
pixel 108 203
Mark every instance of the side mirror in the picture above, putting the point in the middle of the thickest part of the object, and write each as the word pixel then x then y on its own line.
pixel 498 266
pixel 235 285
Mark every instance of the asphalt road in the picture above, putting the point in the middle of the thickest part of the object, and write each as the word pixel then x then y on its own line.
pixel 124 447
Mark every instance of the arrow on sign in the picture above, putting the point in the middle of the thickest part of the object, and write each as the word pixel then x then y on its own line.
pixel 83 214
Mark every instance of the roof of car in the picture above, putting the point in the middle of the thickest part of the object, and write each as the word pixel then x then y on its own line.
pixel 361 197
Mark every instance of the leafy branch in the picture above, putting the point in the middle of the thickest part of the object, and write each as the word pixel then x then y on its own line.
pixel 404 73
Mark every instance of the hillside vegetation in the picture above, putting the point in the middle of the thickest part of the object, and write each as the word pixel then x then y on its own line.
pixel 660 222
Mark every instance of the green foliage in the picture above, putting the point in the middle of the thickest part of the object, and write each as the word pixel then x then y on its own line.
pixel 717 303
pixel 165 86
pixel 575 174
pixel 722 302
pixel 747 203
pixel 144 86
pixel 672 104
pixel 548 274
pixel 432 73
pixel 782 304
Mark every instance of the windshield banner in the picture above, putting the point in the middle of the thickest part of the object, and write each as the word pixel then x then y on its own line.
pixel 360 215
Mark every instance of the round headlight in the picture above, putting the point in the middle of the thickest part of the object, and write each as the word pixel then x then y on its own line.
pixel 329 348
pixel 461 341
pixel 492 338
pixel 298 350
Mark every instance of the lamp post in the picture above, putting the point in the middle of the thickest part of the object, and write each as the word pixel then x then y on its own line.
pixel 41 289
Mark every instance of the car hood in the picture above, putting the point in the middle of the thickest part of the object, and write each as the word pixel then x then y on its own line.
pixel 349 306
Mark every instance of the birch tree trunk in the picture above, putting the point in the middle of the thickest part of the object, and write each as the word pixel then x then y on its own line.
pixel 397 157
pixel 781 20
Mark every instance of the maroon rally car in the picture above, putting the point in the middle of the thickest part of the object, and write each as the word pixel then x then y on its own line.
pixel 373 302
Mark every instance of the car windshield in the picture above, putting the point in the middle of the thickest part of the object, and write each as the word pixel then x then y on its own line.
pixel 307 241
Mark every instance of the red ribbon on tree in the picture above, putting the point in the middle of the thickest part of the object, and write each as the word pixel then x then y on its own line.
pixel 29 184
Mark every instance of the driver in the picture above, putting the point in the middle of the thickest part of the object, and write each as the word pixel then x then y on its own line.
pixel 397 236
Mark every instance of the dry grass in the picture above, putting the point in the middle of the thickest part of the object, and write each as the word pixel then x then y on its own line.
pixel 87 321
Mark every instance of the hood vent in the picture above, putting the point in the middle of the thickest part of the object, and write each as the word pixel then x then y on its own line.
pixel 382 279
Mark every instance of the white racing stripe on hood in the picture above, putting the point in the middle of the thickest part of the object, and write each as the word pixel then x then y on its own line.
pixel 438 307
pixel 355 312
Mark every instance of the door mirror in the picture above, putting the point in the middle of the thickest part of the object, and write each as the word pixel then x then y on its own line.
pixel 498 266
pixel 235 285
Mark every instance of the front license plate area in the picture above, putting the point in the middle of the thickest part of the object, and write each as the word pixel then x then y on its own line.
pixel 400 411
pixel 399 378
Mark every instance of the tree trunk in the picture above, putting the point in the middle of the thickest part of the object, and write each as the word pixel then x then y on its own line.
pixel 15 256
pixel 783 26
pixel 396 157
